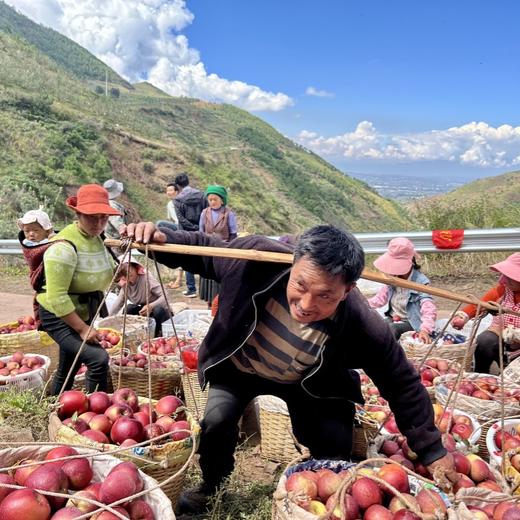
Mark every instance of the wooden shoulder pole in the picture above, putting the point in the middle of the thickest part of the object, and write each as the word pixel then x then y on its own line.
pixel 287 258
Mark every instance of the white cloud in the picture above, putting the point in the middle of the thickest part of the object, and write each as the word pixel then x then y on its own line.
pixel 312 91
pixel 476 144
pixel 142 40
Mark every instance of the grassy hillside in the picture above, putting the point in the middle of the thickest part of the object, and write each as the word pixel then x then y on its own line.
pixel 491 202
pixel 57 131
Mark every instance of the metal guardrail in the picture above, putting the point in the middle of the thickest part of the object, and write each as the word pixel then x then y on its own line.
pixel 475 240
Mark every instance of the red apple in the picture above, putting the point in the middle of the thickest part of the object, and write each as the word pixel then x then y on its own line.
pixel 67 513
pixel 178 430
pixel 99 402
pixel 96 436
pixel 366 492
pixel 100 423
pixel 126 428
pixel 22 474
pixel 49 478
pixel 58 453
pixel 26 504
pixel 168 405
pixel 140 510
pixel 117 486
pixel 79 472
pixel 126 396
pixel 5 479
pixel 116 411
pixel 71 402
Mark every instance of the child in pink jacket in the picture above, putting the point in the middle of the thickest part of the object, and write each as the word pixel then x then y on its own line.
pixel 407 309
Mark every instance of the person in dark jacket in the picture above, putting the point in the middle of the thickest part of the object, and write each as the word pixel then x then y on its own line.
pixel 298 333
pixel 189 204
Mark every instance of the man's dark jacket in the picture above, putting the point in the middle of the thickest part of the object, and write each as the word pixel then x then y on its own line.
pixel 360 339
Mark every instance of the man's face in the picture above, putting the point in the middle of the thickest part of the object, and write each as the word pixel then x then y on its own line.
pixel 171 192
pixel 312 293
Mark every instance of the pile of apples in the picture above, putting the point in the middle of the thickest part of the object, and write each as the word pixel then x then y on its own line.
pixel 315 491
pixel 473 472
pixel 19 363
pixel 433 368
pixel 459 424
pixel 120 419
pixel 508 440
pixel 108 338
pixel 168 346
pixel 70 477
pixel 486 388
pixel 25 323
pixel 139 361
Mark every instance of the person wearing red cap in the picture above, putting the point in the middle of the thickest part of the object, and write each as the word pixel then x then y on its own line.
pixel 507 294
pixel 78 268
pixel 407 309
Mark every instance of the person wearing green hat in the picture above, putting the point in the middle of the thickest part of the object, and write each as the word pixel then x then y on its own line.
pixel 219 221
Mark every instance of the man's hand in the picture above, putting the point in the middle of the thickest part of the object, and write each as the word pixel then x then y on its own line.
pixel 424 337
pixel 146 310
pixel 444 467
pixel 142 232
pixel 90 335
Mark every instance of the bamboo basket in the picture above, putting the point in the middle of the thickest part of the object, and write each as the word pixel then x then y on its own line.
pixel 101 465
pixel 35 341
pixel 485 411
pixel 137 328
pixel 452 365
pixel 157 461
pixel 165 381
pixel 277 441
pixel 365 431
pixel 194 396
pixel 417 351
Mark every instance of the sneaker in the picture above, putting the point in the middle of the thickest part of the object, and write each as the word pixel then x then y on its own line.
pixel 190 294
pixel 194 501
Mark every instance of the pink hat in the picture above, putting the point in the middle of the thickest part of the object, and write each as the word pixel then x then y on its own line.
pixel 398 259
pixel 509 267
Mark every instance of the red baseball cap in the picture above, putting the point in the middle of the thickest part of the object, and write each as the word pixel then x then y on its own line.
pixel 91 199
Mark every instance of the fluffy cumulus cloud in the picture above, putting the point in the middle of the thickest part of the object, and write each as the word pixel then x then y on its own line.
pixel 143 40
pixel 475 144
pixel 312 91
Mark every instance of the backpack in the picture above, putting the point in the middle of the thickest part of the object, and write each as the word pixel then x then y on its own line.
pixel 34 258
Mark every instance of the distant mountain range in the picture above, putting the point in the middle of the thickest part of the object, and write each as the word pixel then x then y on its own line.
pixel 59 129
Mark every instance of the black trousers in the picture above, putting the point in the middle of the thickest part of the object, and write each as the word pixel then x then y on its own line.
pixel 159 314
pixel 399 327
pixel 487 350
pixel 324 426
pixel 69 342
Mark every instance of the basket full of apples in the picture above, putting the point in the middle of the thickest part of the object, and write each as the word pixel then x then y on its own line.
pixel 341 490
pixel 479 394
pixel 164 349
pixel 23 335
pixel 160 435
pixel 449 346
pixel 137 328
pixel 433 368
pixel 133 370
pixel 111 340
pixel 507 439
pixel 62 483
pixel 23 371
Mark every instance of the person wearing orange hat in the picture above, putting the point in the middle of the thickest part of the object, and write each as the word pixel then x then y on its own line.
pixel 407 309
pixel 78 268
pixel 507 294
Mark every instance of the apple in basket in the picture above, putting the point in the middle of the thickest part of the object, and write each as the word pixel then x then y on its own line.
pixel 126 428
pixel 71 402
pixel 168 405
pixel 25 503
pixel 126 396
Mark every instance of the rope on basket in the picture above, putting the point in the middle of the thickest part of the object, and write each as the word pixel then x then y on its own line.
pixel 128 246
pixel 92 456
pixel 460 373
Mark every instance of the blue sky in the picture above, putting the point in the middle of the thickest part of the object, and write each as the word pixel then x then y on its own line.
pixel 412 87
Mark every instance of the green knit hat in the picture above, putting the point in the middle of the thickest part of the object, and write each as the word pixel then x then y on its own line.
pixel 216 189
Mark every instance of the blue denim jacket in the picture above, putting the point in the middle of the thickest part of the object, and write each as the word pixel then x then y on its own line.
pixel 413 307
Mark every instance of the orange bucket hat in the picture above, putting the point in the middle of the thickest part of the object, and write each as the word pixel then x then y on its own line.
pixel 91 199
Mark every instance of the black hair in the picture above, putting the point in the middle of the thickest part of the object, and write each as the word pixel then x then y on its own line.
pixel 334 250
pixel 415 265
pixel 182 180
pixel 173 185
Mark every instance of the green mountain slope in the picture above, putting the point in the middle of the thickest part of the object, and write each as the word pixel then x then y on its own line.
pixel 56 132
pixel 65 52
pixel 491 202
